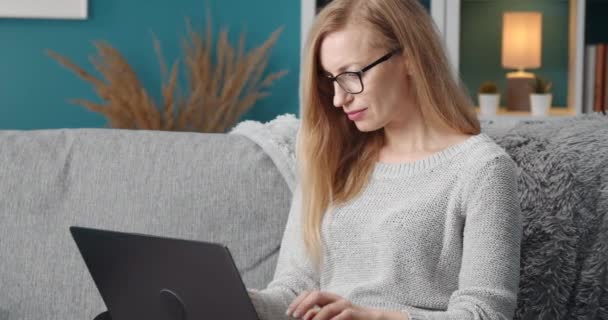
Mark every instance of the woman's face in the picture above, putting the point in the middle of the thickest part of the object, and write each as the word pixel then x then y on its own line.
pixel 385 97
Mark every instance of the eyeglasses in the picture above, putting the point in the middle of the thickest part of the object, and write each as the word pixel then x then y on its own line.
pixel 350 81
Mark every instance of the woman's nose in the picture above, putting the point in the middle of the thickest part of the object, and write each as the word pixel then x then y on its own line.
pixel 341 97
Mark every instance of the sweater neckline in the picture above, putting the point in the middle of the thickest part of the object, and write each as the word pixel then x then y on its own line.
pixel 385 169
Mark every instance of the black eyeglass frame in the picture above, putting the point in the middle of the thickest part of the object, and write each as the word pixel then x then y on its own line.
pixel 359 73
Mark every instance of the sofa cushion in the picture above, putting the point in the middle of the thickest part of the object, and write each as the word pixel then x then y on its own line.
pixel 212 187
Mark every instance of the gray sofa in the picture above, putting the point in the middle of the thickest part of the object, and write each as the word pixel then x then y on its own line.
pixel 227 188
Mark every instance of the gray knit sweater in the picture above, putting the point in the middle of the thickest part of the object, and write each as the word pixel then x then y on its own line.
pixel 438 238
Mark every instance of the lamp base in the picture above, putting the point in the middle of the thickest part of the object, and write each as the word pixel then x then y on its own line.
pixel 518 93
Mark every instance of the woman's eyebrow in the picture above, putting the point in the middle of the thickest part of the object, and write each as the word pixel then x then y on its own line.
pixel 341 69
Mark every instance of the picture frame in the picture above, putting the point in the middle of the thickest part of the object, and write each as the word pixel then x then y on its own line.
pixel 44 9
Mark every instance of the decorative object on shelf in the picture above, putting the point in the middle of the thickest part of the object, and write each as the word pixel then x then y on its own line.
pixel 521 48
pixel 44 9
pixel 489 98
pixel 475 51
pixel 540 98
pixel 219 91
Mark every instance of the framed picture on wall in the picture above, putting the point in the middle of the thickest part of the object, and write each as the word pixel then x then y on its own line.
pixel 44 9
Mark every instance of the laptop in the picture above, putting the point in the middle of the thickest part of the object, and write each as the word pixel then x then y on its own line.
pixel 156 278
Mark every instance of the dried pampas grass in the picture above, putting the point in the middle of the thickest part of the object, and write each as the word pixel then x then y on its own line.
pixel 218 92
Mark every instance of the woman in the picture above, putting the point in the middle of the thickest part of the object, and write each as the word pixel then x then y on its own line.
pixel 404 210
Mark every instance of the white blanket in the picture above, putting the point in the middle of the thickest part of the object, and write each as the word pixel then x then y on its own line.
pixel 278 139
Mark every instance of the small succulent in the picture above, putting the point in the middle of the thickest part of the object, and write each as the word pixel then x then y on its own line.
pixel 540 85
pixel 488 87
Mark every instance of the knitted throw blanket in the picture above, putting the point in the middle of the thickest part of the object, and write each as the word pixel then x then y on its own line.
pixel 278 139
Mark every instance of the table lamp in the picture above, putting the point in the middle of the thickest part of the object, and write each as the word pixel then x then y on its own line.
pixel 521 49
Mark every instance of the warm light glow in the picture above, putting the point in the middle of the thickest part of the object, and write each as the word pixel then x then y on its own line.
pixel 521 40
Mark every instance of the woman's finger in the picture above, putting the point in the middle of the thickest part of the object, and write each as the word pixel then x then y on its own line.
pixel 347 314
pixel 311 313
pixel 318 298
pixel 296 302
pixel 331 310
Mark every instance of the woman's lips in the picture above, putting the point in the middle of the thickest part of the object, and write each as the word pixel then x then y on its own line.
pixel 356 115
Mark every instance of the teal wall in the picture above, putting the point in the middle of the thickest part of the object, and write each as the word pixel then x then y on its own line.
pixel 480 43
pixel 34 89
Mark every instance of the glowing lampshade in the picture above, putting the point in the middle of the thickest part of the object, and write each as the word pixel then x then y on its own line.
pixel 521 40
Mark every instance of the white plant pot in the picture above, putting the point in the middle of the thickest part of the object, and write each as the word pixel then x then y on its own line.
pixel 488 104
pixel 540 104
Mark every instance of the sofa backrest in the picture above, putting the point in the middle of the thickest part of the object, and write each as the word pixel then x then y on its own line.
pixel 212 187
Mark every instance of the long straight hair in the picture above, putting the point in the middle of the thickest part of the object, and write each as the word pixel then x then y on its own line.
pixel 335 159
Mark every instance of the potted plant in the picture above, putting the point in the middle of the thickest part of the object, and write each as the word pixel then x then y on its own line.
pixel 489 98
pixel 540 98
pixel 223 81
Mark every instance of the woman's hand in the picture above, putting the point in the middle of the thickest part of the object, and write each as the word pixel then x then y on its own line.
pixel 319 305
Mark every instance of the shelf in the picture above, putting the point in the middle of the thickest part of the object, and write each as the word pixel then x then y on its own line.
pixel 563 35
pixel 506 115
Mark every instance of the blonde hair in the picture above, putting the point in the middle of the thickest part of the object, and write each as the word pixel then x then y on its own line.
pixel 335 159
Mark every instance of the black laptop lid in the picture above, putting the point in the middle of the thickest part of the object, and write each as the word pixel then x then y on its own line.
pixel 148 277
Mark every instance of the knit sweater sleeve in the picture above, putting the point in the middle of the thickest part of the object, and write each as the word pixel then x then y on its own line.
pixel 294 272
pixel 489 275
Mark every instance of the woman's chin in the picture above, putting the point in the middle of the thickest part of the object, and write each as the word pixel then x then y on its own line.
pixel 365 126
